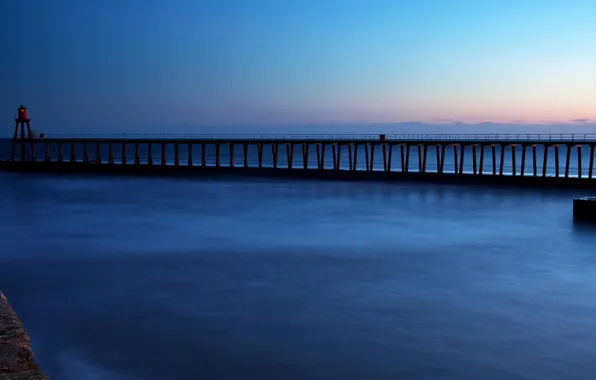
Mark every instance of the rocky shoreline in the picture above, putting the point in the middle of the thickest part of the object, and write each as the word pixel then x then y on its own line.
pixel 17 361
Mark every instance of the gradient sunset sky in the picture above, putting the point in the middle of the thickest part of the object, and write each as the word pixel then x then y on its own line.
pixel 145 64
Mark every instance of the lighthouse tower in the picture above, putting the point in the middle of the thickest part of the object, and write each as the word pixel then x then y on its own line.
pixel 22 135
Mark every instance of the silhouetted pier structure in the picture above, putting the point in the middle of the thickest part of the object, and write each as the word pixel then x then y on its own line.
pixel 353 155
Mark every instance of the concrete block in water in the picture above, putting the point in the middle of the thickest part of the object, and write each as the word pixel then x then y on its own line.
pixel 17 361
pixel 584 209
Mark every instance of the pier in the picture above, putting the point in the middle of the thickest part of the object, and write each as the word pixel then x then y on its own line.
pixel 524 159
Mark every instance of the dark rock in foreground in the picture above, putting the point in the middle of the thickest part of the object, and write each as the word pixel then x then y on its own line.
pixel 17 361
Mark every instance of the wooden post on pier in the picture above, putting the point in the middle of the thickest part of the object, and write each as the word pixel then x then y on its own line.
pixel 305 154
pixel 418 148
pixel 60 153
pixel 338 157
pixel 579 161
pixel 123 153
pixel 190 163
pixel 408 147
pixel 424 155
pixel 322 163
pixel 557 161
pixel 355 164
pixel 110 153
pixel 137 154
pixel 441 162
pixel 591 165
pixel 502 163
pixel 274 149
pixel 85 155
pixel 260 154
pixel 384 146
pixel 461 159
pixel 366 153
pixel 494 152
pixel 513 154
pixel 72 152
pixel 390 158
pixel 534 159
pixel 523 162
pixel 245 152
pixel 474 159
pixel 481 159
pixel 176 154
pixel 97 154
pixel 455 167
pixel 318 146
pixel 372 157
pixel 403 158
pixel 290 154
pixel 567 159
pixel 231 148
pixel 163 154
pixel 545 161
pixel 350 157
pixel 334 154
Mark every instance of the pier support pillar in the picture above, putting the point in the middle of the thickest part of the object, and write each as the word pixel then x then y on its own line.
pixel 419 149
pixel 545 160
pixel 408 147
pixel 455 159
pixel 305 155
pixel 523 161
pixel 591 165
pixel 176 154
pixel 110 153
pixel 462 155
pixel 150 154
pixel 245 153
pixel 481 169
pixel 384 146
pixel 534 159
pixel 567 159
pixel 217 156
pixel 513 163
pixel 403 158
pixel 137 154
pixel 355 165
pixel 260 154
pixel 474 158
pixel 204 155
pixel 290 154
pixel 85 155
pixel 366 154
pixel 350 157
pixel 231 148
pixel 124 153
pixel 502 163
pixel 557 161
pixel 48 156
pixel 494 152
pixel 372 157
pixel 97 153
pixel 72 153
pixel 441 161
pixel 61 153
pixel 274 150
pixel 163 154
pixel 579 161
pixel 189 154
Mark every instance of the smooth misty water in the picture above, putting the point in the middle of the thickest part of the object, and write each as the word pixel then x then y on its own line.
pixel 140 278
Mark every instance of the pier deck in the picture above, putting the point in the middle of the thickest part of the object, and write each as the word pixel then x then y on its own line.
pixel 417 157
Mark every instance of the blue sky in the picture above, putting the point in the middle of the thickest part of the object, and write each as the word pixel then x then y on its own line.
pixel 164 64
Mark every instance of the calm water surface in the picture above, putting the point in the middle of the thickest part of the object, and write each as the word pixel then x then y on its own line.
pixel 138 278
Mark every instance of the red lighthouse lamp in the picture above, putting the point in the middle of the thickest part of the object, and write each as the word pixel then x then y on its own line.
pixel 22 114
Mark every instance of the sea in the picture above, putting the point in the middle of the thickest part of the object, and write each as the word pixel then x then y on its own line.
pixel 130 278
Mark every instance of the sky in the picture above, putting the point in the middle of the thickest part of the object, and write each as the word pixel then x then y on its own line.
pixel 175 65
